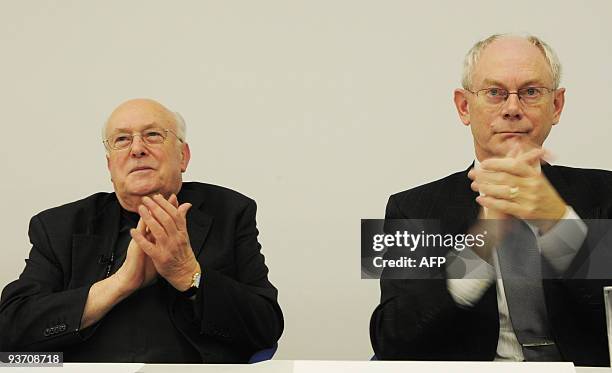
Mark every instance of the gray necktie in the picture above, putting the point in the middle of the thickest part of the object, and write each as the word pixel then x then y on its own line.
pixel 521 270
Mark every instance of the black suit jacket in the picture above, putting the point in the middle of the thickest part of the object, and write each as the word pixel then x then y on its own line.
pixel 419 320
pixel 236 311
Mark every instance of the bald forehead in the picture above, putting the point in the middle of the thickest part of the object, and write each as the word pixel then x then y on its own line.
pixel 513 46
pixel 139 113
pixel 513 57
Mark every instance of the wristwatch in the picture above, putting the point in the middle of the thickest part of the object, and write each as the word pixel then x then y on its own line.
pixel 195 285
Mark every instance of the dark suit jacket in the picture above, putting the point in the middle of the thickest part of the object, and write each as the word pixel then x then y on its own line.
pixel 236 311
pixel 419 320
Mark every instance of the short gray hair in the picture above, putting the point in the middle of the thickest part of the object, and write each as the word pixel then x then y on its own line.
pixel 181 128
pixel 473 55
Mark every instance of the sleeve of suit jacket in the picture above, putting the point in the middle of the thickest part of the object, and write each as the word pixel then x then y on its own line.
pixel 417 319
pixel 37 313
pixel 241 309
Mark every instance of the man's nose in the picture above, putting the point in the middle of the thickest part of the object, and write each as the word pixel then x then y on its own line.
pixel 511 109
pixel 138 148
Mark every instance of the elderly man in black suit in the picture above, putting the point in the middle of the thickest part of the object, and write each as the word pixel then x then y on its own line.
pixel 158 271
pixel 510 100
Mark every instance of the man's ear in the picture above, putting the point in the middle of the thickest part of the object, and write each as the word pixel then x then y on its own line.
pixel 461 103
pixel 558 102
pixel 185 157
pixel 108 166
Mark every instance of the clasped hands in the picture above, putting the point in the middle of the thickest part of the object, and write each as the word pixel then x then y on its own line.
pixel 160 245
pixel 515 186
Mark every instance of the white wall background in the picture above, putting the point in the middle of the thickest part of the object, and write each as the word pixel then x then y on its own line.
pixel 317 109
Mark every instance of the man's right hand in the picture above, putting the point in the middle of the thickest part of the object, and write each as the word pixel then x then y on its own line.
pixel 138 270
pixel 491 220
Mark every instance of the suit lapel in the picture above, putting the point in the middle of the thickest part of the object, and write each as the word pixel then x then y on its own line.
pixel 459 206
pixel 91 249
pixel 570 195
pixel 198 222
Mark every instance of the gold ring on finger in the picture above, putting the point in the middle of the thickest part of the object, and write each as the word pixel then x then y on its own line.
pixel 514 192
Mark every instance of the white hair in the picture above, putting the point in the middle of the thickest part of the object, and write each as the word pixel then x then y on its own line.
pixel 181 128
pixel 473 55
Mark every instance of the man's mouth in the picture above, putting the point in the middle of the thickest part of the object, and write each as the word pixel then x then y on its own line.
pixel 140 169
pixel 512 133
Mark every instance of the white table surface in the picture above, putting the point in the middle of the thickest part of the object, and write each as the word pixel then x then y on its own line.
pixel 321 366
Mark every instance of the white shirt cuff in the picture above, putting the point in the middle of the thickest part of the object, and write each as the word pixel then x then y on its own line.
pixel 478 276
pixel 561 243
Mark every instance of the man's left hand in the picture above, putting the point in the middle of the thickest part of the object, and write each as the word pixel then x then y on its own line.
pixel 517 187
pixel 169 248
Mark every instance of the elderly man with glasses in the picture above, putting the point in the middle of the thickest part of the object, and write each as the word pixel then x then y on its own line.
pixel 522 295
pixel 161 270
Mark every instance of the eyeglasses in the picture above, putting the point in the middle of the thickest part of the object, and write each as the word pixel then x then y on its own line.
pixel 527 95
pixel 151 136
